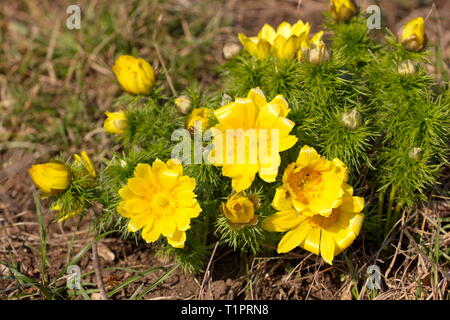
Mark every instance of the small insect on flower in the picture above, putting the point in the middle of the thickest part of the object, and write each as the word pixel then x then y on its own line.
pixel 159 199
pixel 316 207
pixel 284 42
pixel 413 35
pixel 342 10
pixel 240 210
pixel 135 75
pixel 116 122
pixel 51 177
pixel 200 118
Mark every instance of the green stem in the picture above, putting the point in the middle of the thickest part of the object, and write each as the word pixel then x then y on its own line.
pixel 389 211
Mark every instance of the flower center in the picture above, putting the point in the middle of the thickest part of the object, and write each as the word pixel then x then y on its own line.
pixel 162 201
pixel 306 184
pixel 321 222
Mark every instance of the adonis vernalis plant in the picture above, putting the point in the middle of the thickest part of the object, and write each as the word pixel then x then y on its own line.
pixel 313 142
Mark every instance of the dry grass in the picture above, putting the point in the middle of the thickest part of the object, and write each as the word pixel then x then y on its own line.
pixel 55 85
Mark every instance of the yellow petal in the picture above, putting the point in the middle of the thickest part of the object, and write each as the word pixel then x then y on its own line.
pixel 284 29
pixel 312 241
pixel 263 49
pixel 306 156
pixel 327 247
pixel 294 237
pixel 178 239
pixel 138 186
pixel 137 222
pixel 126 194
pixel 280 200
pixel 282 221
pixel 151 233
pixel 287 142
pixel 352 204
pixel 249 45
pixel 182 218
pixel 135 206
pixel 167 225
pixel 267 33
pixel 258 97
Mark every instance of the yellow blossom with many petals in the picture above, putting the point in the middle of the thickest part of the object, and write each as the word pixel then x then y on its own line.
pixel 135 75
pixel 313 184
pixel 50 177
pixel 116 122
pixel 240 210
pixel 249 136
pixel 342 10
pixel 159 199
pixel 413 34
pixel 322 235
pixel 283 43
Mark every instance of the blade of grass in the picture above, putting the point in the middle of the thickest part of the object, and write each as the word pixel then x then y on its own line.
pixel 154 284
pixel 42 237
pixel 131 280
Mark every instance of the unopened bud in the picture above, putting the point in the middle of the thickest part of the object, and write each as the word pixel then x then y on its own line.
pixel 231 50
pixel 415 153
pixel 183 104
pixel 406 67
pixel 318 53
pixel 352 119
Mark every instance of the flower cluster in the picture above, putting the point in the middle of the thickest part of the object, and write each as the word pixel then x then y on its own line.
pixel 252 137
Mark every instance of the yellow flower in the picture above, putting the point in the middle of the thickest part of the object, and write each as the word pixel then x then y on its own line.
pixel 249 136
pixel 200 117
pixel 50 177
pixel 312 185
pixel 116 122
pixel 159 199
pixel 342 10
pixel 327 236
pixel 86 162
pixel 413 34
pixel 284 42
pixel 135 75
pixel 240 210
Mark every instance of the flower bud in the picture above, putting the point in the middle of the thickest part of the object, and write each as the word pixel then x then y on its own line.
pixel 240 210
pixel 318 53
pixel 342 10
pixel 352 119
pixel 406 67
pixel 200 118
pixel 415 153
pixel 231 50
pixel 135 75
pixel 50 177
pixel 116 122
pixel 183 104
pixel 413 35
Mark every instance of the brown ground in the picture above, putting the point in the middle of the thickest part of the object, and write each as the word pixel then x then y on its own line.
pixel 407 268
